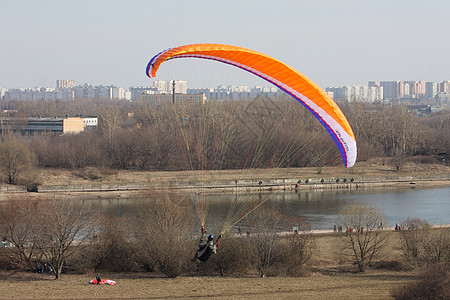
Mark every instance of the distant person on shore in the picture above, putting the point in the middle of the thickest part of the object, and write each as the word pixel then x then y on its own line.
pixel 37 267
pixel 380 226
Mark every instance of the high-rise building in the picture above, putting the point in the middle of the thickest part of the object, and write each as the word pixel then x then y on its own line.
pixel 414 90
pixel 392 89
pixel 166 87
pixel 409 89
pixel 431 89
pixel 444 87
pixel 63 84
pixel 362 93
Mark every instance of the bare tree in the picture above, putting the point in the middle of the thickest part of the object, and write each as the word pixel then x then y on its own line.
pixel 299 246
pixel 437 246
pixel 401 134
pixel 62 226
pixel 16 220
pixel 412 240
pixel 263 226
pixel 110 120
pixel 364 238
pixel 16 160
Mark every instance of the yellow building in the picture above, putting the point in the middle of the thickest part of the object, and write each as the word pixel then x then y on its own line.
pixel 32 126
pixel 72 125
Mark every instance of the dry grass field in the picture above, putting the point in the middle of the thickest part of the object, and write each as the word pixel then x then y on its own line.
pixel 372 168
pixel 372 285
pixel 329 278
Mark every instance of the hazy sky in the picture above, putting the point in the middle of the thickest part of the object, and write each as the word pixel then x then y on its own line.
pixel 333 42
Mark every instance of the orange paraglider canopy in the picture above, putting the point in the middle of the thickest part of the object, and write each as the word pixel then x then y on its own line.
pixel 283 76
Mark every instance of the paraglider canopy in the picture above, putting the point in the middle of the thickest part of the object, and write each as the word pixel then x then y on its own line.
pixel 103 281
pixel 283 76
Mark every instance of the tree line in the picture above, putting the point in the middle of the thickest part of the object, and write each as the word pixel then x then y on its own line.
pixel 260 131
pixel 156 234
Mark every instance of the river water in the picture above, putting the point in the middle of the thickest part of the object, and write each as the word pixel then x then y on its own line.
pixel 321 207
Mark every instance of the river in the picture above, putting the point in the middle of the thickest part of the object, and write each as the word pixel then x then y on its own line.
pixel 321 207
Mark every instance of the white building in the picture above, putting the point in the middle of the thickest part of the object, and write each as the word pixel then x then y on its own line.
pixel 101 92
pixel 166 87
pixel 160 86
pixel 443 98
pixel 137 91
pixel 235 92
pixel 361 93
pixel 63 84
pixel 30 94
pixel 2 92
pixel 90 122
pixel 85 91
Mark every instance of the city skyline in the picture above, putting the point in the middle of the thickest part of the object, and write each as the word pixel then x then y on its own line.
pixel 373 91
pixel 69 83
pixel 334 43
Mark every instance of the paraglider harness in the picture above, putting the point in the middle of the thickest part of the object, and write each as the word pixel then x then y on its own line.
pixel 206 248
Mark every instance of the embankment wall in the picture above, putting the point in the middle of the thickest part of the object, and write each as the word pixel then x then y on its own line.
pixel 303 183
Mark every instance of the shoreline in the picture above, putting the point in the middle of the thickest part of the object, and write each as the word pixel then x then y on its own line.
pixel 389 228
pixel 375 173
pixel 127 190
pixel 267 185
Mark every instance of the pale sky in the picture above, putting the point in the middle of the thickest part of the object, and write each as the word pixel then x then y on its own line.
pixel 333 42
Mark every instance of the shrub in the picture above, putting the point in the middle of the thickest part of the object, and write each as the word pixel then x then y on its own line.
pixel 113 251
pixel 424 245
pixel 433 283
pixel 8 261
pixel 83 261
pixel 296 251
pixel 163 234
pixel 233 256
